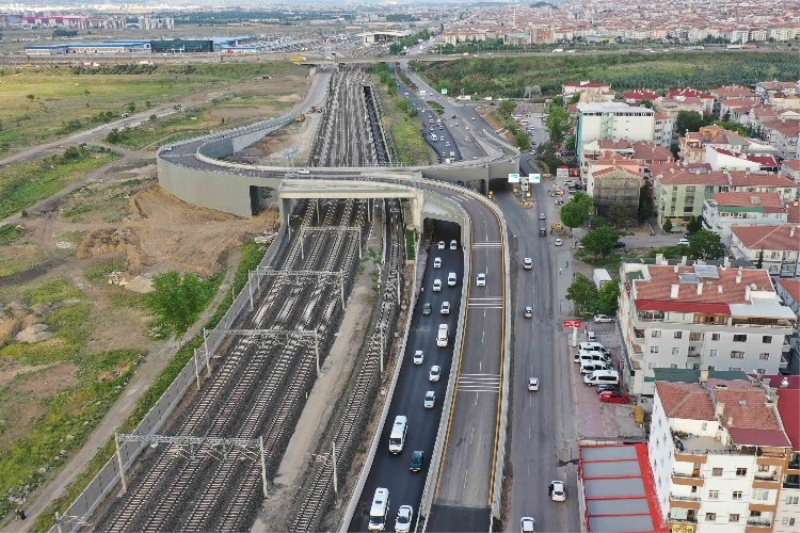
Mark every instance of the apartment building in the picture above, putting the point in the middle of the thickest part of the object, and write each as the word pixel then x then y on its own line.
pixel 790 168
pixel 569 90
pixel 719 453
pixel 613 120
pixel 692 145
pixel 679 95
pixel 721 159
pixel 722 210
pixel 777 248
pixel 787 390
pixel 615 182
pixel 699 316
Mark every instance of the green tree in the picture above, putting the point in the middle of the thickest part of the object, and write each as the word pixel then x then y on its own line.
pixel 706 245
pixel 600 241
pixel 645 202
pixel 178 300
pixel 557 124
pixel 694 225
pixel 570 143
pixel 574 99
pixel 667 227
pixel 688 121
pixel 575 213
pixel 582 293
pixel 131 107
pixel 607 301
pixel 522 140
pixel 646 103
pixel 618 215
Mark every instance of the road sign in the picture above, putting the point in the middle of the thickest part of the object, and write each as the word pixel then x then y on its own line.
pixel 444 91
pixel 562 172
pixel 513 178
pixel 572 323
pixel 535 178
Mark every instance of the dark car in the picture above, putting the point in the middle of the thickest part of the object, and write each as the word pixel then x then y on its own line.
pixel 426 309
pixel 606 386
pixel 417 461
pixel 619 244
pixel 542 232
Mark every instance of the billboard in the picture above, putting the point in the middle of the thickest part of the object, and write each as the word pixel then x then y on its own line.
pixel 513 178
pixel 444 91
pixel 562 172
pixel 535 178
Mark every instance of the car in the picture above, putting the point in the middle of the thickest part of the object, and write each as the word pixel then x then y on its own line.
pixel 541 216
pixel 445 310
pixel 434 374
pixel 527 263
pixel 473 118
pixel 426 308
pixel 533 384
pixel 592 336
pixel 405 515
pixel 453 245
pixel 437 262
pixel 437 285
pixel 606 387
pixel 440 245
pixel 542 232
pixel 556 491
pixel 527 525
pixel 614 396
pixel 417 461
pixel 683 242
pixel 430 399
pixel 419 356
pixel 303 171
pixel 481 280
pixel 603 319
pixel 559 242
pixel 619 244
pixel 527 312
pixel 447 143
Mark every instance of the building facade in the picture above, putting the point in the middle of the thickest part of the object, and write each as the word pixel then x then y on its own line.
pixel 611 120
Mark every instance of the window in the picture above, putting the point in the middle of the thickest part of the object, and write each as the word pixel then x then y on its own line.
pixel 788 521
pixel 713 353
pixel 761 371
pixel 740 338
pixel 733 517
pixel 715 336
pixel 735 369
pixel 716 471
pixel 737 354
pixel 673 365
pixel 760 494
pixel 764 356
pixel 766 339
pixel 654 349
pixel 676 351
pixel 711 517
pixel 793 500
pixel 677 334
pixel 737 495
pixel 656 333
pixel 713 495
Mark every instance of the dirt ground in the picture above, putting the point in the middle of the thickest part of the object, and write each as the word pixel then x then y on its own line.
pixel 270 151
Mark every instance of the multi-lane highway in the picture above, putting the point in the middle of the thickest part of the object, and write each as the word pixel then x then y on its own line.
pixel 392 471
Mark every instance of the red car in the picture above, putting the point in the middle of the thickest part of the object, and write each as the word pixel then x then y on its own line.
pixel 611 396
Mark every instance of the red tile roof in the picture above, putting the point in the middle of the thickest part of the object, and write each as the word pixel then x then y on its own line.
pixel 788 407
pixel 733 91
pixel 759 437
pixel 581 84
pixel 678 175
pixel 610 144
pixel 792 286
pixel 768 202
pixel 615 169
pixel 651 152
pixel 792 164
pixel 779 238
pixel 742 178
pixel 640 94
pixel 794 213
pixel 688 401
pixel 745 409
pixel 687 92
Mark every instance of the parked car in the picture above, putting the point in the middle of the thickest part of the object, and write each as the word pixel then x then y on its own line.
pixel 556 490
pixel 683 242
pixel 611 396
pixel 592 336
pixel 559 242
pixel 426 308
pixel 419 356
pixel 430 399
pixel 606 387
pixel 533 384
pixel 435 373
pixel 619 244
pixel 603 319
pixel 417 461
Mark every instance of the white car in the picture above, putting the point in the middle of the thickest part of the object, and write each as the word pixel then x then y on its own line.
pixel 527 525
pixel 603 319
pixel 533 384
pixel 430 399
pixel 440 245
pixel 557 492
pixel 453 245
pixel 419 356
pixel 559 242
pixel 592 336
pixel 683 242
pixel 527 263
pixel 541 216
pixel 303 171
pixel 481 281
pixel 435 373
pixel 405 514
pixel 445 310
pixel 437 262
pixel 437 285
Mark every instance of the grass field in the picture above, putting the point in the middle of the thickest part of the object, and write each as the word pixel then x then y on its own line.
pixel 39 104
pixel 404 130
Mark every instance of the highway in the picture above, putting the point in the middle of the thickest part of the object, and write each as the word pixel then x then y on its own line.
pixel 392 471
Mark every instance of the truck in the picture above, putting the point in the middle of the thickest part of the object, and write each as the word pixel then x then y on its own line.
pixel 600 277
pixel 297 59
pixel 734 47
pixel 558 50
pixel 452 153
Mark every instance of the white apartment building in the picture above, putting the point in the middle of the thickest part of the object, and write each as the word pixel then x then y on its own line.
pixel 726 209
pixel 777 247
pixel 718 451
pixel 613 120
pixel 701 317
pixel 787 516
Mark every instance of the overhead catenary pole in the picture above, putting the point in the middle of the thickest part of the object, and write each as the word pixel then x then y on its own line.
pixel 263 467
pixel 335 476
pixel 122 478
pixel 250 287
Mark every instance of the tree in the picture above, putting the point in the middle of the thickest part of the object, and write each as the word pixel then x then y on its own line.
pixel 607 301
pixel 688 120
pixel 574 99
pixel 618 215
pixel 646 103
pixel 667 227
pixel 582 293
pixel 557 124
pixel 178 301
pixel 694 225
pixel 706 245
pixel 645 202
pixel 600 241
pixel 570 143
pixel 575 213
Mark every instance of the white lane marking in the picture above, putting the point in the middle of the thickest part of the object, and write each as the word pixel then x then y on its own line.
pixel 479 383
pixel 483 334
pixel 465 480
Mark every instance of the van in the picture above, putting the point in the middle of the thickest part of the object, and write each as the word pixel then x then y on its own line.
pixel 379 509
pixel 587 367
pixel 398 435
pixel 452 279
pixel 441 336
pixel 582 356
pixel 599 377
pixel 593 347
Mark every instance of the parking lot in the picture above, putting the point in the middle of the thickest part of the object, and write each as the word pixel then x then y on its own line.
pixel 594 418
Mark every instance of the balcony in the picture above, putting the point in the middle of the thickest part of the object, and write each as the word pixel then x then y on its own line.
pixel 686 520
pixel 684 502
pixel 759 522
pixel 684 498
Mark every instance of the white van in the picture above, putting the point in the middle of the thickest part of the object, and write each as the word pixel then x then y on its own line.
pixel 441 336
pixel 452 279
pixel 587 367
pixel 593 347
pixel 601 377
pixel 583 356
pixel 379 509
pixel 398 435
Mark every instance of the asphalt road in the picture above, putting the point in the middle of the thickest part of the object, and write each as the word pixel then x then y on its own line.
pixel 392 471
pixel 542 424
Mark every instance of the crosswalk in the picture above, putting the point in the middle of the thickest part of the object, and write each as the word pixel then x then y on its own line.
pixel 479 383
pixel 494 302
pixel 486 244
